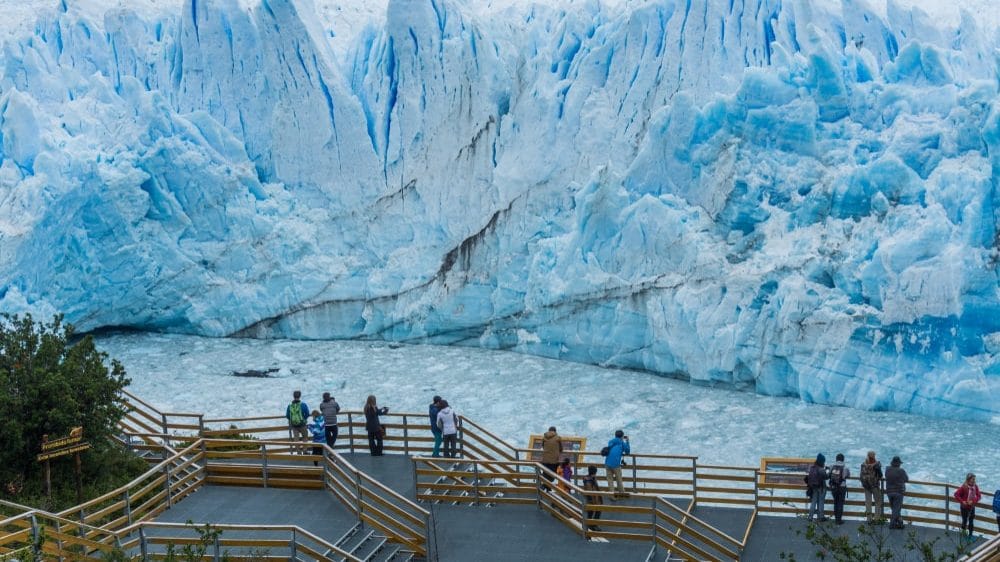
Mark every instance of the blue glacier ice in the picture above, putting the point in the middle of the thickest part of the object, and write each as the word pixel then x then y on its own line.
pixel 795 197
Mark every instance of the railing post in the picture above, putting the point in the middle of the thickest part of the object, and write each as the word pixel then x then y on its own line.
pixel 35 547
pixel 635 476
pixel 652 532
pixel 164 419
pixel 166 483
pixel 357 497
pixel 293 555
pixel 947 507
pixel 128 507
pixel 584 527
pixel 59 542
pixel 538 487
pixel 694 481
pixel 263 459
pixel 461 438
pixel 350 430
pixel 756 488
pixel 142 544
pixel 406 436
pixel 475 482
pixel 218 552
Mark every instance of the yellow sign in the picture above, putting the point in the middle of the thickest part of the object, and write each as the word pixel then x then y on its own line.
pixel 63 452
pixel 75 436
pixel 784 470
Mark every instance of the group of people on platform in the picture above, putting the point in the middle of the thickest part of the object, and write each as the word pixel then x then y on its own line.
pixel 820 479
pixel 444 425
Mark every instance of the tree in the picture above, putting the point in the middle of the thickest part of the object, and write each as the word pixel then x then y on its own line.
pixel 50 382
pixel 871 544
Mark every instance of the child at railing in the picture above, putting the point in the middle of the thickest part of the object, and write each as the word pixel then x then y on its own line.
pixel 566 472
pixel 590 484
pixel 318 430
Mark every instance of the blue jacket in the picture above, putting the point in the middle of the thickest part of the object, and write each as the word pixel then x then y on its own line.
pixel 617 448
pixel 318 429
pixel 305 412
pixel 433 411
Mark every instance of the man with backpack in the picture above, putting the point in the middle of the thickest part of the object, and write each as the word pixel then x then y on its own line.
pixel 838 486
pixel 871 481
pixel 617 448
pixel 296 413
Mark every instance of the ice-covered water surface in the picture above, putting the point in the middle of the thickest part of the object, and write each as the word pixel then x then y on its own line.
pixel 515 395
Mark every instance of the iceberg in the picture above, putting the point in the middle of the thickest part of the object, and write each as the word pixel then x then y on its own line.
pixel 796 198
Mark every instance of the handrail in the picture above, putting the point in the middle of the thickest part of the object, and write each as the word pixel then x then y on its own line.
pixel 294 529
pixel 988 551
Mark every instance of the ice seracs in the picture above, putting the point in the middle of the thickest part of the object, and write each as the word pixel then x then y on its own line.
pixel 796 197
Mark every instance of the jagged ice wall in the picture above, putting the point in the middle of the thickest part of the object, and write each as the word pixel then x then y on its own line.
pixel 796 197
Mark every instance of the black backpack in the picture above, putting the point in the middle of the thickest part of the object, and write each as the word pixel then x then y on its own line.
pixel 837 477
pixel 815 477
pixel 605 451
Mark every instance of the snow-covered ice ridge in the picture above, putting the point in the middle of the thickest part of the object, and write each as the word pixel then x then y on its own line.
pixel 794 196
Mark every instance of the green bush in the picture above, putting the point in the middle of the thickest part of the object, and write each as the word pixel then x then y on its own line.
pixel 50 382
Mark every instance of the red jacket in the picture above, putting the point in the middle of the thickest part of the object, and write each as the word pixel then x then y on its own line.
pixel 968 495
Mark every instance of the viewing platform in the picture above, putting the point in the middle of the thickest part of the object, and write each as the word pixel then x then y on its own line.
pixel 265 501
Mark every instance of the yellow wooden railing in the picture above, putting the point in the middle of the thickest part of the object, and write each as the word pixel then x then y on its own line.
pixel 193 453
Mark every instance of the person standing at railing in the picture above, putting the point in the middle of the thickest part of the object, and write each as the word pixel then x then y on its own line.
pixel 895 487
pixel 968 495
pixel 297 413
pixel 432 412
pixel 552 448
pixel 839 474
pixel 447 422
pixel 590 484
pixel 996 507
pixel 816 488
pixel 374 427
pixel 871 480
pixel 318 430
pixel 329 408
pixel 617 449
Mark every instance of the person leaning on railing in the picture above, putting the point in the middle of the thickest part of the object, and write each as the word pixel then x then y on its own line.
pixel 895 487
pixel 871 480
pixel 329 409
pixel 373 426
pixel 617 449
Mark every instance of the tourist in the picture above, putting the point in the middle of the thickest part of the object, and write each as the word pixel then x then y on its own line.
pixel 895 487
pixel 590 484
pixel 318 430
pixel 329 408
pixel 996 506
pixel 968 496
pixel 297 413
pixel 838 487
pixel 566 474
pixel 552 448
pixel 447 423
pixel 871 481
pixel 816 488
pixel 432 412
pixel 617 448
pixel 374 427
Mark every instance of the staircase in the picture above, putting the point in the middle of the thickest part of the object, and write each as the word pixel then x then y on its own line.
pixel 371 546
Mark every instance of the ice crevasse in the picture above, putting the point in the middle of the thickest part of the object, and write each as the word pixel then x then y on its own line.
pixel 794 197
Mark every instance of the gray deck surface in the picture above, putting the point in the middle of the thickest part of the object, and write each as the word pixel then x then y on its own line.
pixel 316 511
pixel 503 532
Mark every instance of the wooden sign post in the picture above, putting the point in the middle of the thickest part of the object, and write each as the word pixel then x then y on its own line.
pixel 73 444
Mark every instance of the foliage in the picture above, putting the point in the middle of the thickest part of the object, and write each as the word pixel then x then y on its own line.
pixel 51 381
pixel 871 544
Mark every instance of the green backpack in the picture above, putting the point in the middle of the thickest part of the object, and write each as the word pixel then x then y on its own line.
pixel 295 415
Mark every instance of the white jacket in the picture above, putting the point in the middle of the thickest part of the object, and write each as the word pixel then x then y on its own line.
pixel 447 421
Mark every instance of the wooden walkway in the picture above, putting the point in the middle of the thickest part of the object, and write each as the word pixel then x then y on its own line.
pixel 502 532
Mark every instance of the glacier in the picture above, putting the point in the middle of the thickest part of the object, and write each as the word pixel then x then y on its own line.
pixel 793 197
